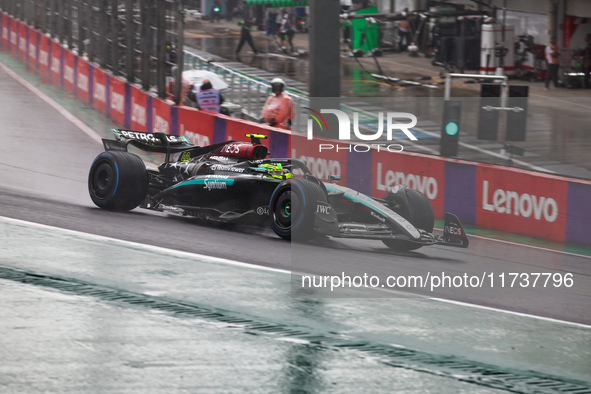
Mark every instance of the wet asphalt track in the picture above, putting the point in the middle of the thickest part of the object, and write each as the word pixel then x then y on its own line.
pixel 44 160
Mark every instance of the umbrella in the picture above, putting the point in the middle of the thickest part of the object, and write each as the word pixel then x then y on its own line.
pixel 192 77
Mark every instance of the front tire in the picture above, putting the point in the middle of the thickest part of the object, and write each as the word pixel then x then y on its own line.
pixel 419 214
pixel 117 181
pixel 292 208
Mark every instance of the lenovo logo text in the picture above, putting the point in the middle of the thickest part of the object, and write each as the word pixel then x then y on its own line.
pixel 525 205
pixel 424 184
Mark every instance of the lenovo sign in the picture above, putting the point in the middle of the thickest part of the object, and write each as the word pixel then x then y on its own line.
pixel 525 205
pixel 415 171
pixel 423 183
pixel 520 202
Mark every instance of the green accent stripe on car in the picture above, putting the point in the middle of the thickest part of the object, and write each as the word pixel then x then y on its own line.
pixel 205 182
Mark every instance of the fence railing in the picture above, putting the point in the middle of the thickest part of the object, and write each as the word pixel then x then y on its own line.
pixel 130 38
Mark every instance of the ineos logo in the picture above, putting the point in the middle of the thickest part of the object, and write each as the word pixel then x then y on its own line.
pixel 453 230
pixel 231 148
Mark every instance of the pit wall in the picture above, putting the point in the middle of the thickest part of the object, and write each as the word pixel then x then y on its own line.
pixel 487 196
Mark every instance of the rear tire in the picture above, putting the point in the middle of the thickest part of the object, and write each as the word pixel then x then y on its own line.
pixel 292 208
pixel 117 181
pixel 419 214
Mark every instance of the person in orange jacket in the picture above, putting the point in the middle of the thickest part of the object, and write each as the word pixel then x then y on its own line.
pixel 278 107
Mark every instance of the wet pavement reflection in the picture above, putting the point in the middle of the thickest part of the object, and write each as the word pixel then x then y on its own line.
pixel 356 77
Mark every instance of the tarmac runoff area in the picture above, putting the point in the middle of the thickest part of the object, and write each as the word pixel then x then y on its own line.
pixel 107 315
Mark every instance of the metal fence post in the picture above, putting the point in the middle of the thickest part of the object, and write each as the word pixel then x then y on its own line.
pixel 161 59
pixel 129 42
pixel 114 50
pixel 145 45
pixel 69 25
pixel 60 21
pixel 180 52
pixel 102 39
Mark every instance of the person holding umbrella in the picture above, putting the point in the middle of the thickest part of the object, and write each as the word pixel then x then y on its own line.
pixel 206 97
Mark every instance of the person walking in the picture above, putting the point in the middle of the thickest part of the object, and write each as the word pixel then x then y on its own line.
pixel 403 32
pixel 245 36
pixel 278 107
pixel 286 34
pixel 553 59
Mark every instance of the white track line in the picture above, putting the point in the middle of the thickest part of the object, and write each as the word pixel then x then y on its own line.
pixel 152 248
pixel 64 112
pixel 219 260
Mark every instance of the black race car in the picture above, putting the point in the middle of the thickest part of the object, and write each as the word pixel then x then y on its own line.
pixel 234 181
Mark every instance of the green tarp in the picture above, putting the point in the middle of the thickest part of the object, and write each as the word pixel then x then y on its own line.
pixel 364 35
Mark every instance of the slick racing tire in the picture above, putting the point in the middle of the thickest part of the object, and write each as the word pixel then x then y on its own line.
pixel 293 206
pixel 420 215
pixel 117 181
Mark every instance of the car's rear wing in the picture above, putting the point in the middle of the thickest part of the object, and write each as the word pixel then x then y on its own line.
pixel 149 142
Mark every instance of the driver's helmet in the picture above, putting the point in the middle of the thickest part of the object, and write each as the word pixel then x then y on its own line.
pixel 276 171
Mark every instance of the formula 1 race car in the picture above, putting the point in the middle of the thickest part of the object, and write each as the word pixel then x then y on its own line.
pixel 234 182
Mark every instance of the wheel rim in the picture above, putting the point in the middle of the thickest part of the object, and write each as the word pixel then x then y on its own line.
pixel 102 181
pixel 282 211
